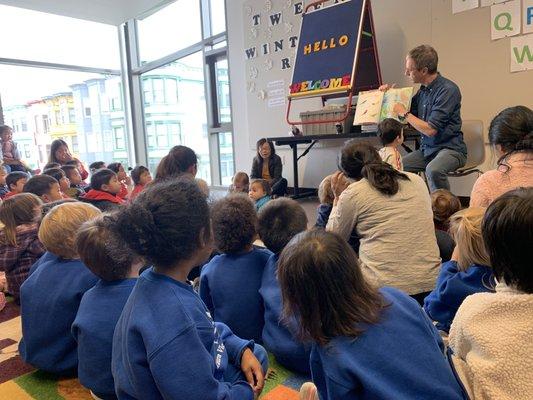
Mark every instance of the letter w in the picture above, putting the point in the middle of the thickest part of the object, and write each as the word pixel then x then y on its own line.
pixel 525 52
pixel 275 19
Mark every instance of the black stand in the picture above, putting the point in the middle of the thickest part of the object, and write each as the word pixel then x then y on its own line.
pixel 294 141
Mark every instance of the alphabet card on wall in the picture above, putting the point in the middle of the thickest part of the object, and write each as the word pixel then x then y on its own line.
pixel 522 53
pixel 464 5
pixel 506 19
pixel 527 16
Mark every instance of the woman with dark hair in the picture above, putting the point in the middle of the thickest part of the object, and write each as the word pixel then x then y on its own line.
pixel 366 343
pixel 60 153
pixel 180 160
pixel 267 165
pixel 391 213
pixel 511 134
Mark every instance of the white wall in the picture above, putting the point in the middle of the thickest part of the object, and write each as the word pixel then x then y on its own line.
pixel 467 56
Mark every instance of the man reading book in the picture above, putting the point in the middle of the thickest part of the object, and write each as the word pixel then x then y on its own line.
pixel 436 113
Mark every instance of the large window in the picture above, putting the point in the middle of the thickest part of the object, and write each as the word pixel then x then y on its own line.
pixel 32 35
pixel 174 88
pixel 53 104
pixel 171 119
pixel 170 29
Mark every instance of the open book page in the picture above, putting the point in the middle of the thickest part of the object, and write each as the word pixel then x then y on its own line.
pixel 368 107
pixel 393 96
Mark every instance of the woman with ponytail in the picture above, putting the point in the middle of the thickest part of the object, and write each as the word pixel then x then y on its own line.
pixel 511 134
pixel 391 213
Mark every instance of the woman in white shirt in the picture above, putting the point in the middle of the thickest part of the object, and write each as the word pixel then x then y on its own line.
pixel 391 213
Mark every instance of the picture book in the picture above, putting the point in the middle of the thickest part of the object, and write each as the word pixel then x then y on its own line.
pixel 374 106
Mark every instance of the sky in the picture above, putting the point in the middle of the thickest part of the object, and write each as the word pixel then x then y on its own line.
pixel 37 36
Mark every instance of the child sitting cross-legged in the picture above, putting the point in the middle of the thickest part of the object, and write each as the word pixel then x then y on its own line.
pixel 390 132
pixel 105 188
pixel 279 221
pixel 50 297
pixel 468 271
pixel 15 182
pixel 165 344
pixel 259 192
pixel 366 343
pixel 19 245
pixel 104 253
pixel 238 269
pixel 490 337
pixel 45 187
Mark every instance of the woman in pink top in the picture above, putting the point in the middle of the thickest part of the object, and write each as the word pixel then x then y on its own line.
pixel 511 133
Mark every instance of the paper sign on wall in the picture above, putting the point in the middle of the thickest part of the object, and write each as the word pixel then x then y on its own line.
pixel 464 5
pixel 505 19
pixel 522 53
pixel 527 16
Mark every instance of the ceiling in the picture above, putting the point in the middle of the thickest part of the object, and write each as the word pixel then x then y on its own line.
pixel 112 12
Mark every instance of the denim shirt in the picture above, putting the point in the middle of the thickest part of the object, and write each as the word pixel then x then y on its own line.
pixel 439 104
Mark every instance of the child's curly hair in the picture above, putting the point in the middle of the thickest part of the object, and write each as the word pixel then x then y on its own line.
pixel 234 223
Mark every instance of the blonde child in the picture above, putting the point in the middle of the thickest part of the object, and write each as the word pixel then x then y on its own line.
pixel 50 297
pixel 390 132
pixel 326 197
pixel 259 192
pixel 20 247
pixel 468 271
pixel 240 183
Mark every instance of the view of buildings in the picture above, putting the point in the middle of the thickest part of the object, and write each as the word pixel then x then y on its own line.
pixel 90 118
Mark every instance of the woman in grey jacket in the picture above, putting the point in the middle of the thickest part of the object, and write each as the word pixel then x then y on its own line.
pixel 267 165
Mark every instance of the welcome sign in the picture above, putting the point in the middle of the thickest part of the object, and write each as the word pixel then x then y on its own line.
pixel 326 56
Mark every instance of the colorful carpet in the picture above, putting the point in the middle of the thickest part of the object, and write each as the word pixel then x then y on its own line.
pixel 19 381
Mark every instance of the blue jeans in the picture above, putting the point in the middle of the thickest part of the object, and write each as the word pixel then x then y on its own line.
pixel 234 374
pixel 436 167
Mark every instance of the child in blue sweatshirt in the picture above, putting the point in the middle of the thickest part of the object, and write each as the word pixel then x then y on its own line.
pixel 104 253
pixel 166 345
pixel 279 222
pixel 50 297
pixel 238 270
pixel 366 343
pixel 260 192
pixel 468 271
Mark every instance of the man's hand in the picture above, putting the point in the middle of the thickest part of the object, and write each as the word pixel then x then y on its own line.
pixel 399 109
pixel 339 183
pixel 386 87
pixel 252 369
